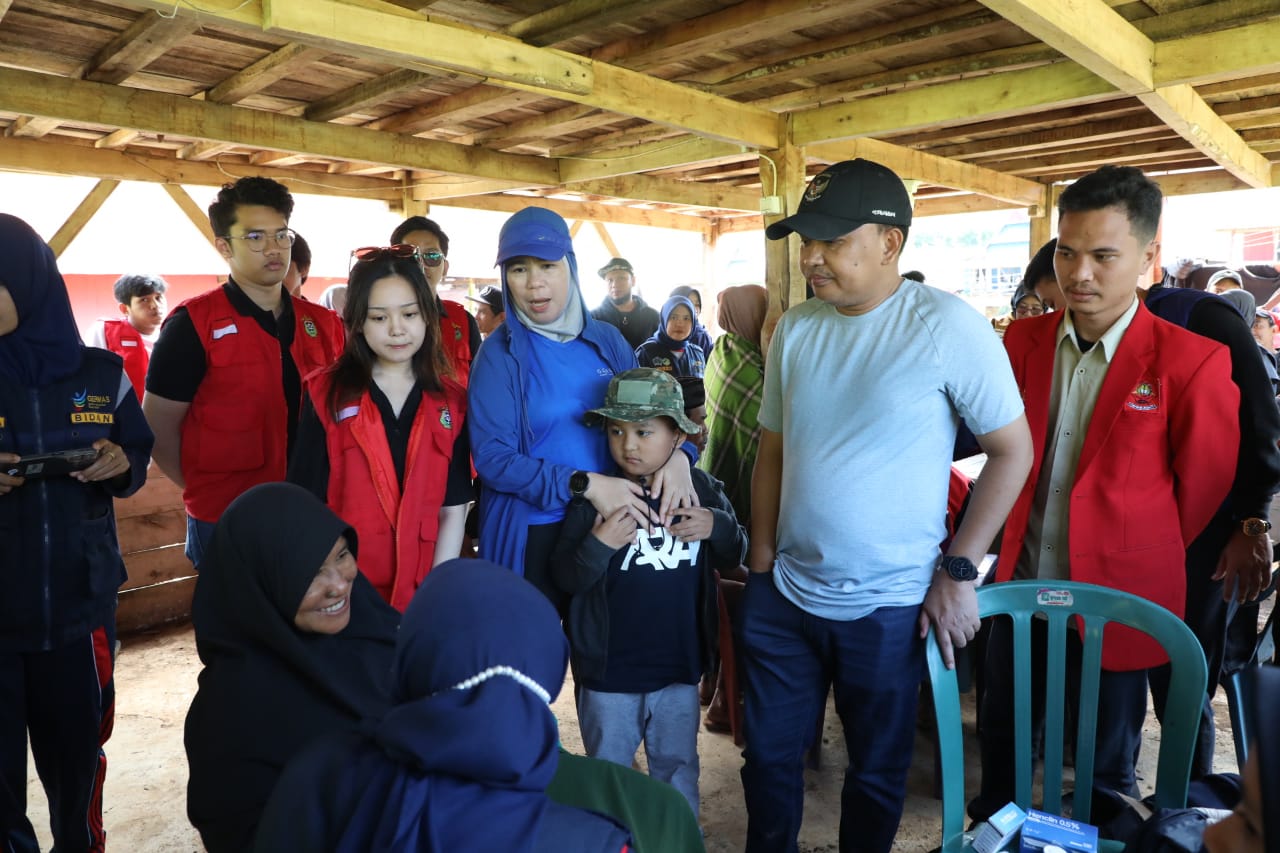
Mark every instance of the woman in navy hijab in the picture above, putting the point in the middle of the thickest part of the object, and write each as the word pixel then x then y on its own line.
pixel 462 760
pixel 60 563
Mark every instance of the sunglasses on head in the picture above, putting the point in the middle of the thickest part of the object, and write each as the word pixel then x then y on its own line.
pixel 429 258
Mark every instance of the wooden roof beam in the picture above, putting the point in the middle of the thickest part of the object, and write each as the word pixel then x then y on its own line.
pixel 931 169
pixel 587 210
pixel 358 97
pixel 25 92
pixel 261 74
pixel 463 106
pixel 143 42
pixel 4 8
pixel 80 217
pixel 1215 56
pixel 1126 59
pixel 31 126
pixel 673 191
pixel 59 158
pixel 532 129
pixel 646 158
pixel 564 21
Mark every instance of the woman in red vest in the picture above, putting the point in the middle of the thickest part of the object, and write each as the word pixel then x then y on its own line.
pixel 381 435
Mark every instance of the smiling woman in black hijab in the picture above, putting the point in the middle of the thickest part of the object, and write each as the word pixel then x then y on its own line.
pixel 295 644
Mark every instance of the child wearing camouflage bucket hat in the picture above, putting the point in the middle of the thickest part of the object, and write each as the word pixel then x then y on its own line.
pixel 643 619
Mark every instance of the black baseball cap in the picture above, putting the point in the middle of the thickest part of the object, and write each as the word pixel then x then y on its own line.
pixel 490 295
pixel 616 264
pixel 845 196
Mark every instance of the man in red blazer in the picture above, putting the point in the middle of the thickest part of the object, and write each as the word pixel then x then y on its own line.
pixel 1136 430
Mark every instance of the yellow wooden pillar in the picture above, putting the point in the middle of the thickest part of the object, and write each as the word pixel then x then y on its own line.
pixel 782 174
pixel 1044 220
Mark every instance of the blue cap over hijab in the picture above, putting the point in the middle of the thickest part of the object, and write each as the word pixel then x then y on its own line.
pixel 46 346
pixel 536 232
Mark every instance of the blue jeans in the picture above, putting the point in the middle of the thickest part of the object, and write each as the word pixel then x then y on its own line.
pixel 790 658
pixel 199 538
pixel 613 724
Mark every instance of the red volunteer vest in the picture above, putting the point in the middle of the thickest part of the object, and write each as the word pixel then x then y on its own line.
pixel 455 338
pixel 235 434
pixel 126 341
pixel 397 531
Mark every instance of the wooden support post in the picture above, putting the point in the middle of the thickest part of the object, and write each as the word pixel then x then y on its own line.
pixel 783 172
pixel 1044 220
pixel 608 239
pixel 80 217
pixel 199 218
pixel 710 281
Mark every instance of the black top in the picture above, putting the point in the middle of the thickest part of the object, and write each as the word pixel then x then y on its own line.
pixel 636 325
pixel 178 364
pixel 1258 469
pixel 268 688
pixel 309 464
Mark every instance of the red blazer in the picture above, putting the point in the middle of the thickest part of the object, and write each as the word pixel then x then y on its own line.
pixel 1157 462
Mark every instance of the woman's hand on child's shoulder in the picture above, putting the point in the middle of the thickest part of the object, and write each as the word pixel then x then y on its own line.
pixel 692 524
pixel 618 529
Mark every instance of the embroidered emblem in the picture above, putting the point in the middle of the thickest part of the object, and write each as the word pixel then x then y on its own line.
pixel 457 332
pixel 1055 598
pixel 816 187
pixel 1 422
pixel 1145 397
pixel 224 331
pixel 78 400
pixel 309 326
pixel 348 412
pixel 446 417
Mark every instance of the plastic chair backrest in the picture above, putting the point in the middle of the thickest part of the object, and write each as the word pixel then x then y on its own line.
pixel 1059 602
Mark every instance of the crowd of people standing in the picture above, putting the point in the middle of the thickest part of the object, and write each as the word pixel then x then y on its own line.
pixel 1130 440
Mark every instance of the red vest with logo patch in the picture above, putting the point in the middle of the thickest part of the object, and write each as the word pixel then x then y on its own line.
pixel 126 341
pixel 455 338
pixel 235 435
pixel 397 530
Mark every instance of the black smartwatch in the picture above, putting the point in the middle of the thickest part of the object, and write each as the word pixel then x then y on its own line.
pixel 578 483
pixel 959 568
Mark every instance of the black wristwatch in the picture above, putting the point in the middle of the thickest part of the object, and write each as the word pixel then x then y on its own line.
pixel 578 484
pixel 959 568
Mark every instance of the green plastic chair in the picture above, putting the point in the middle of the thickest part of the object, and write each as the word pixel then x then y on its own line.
pixel 1059 602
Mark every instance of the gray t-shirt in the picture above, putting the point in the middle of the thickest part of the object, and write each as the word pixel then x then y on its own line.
pixel 868 408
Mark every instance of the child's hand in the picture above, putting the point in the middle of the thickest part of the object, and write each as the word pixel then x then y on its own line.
pixel 695 524
pixel 616 530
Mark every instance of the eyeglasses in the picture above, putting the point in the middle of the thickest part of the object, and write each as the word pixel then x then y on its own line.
pixel 429 258
pixel 256 241
pixel 1028 312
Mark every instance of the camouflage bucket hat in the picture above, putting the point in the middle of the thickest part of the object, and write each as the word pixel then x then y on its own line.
pixel 642 393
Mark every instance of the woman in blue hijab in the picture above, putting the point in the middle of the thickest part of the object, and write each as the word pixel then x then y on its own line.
pixel 671 348
pixel 462 760
pixel 60 563
pixel 531 384
pixel 700 335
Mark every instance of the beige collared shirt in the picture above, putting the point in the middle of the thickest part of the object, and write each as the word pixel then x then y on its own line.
pixel 1077 379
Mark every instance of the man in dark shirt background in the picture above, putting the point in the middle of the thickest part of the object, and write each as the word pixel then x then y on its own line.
pixel 622 308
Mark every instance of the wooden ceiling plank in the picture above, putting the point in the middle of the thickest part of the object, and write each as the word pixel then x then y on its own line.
pixel 156 112
pixel 619 139
pixel 934 170
pixel 194 213
pixel 144 41
pixel 996 96
pixel 589 211
pixel 1125 58
pixel 669 191
pixel 563 21
pixel 59 158
pixel 4 8
pixel 534 127
pixel 261 74
pixel 475 102
pixel 364 94
pixel 1058 136
pixel 739 24
pixel 1186 112
pixel 80 217
pixel 646 158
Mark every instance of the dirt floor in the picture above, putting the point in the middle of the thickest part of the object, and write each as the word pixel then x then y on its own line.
pixel 145 798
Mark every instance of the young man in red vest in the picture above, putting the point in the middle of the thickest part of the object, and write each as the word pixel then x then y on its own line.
pixel 225 382
pixel 131 336
pixel 459 333
pixel 1136 428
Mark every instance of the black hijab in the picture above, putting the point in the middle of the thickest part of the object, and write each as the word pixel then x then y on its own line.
pixel 46 346
pixel 267 688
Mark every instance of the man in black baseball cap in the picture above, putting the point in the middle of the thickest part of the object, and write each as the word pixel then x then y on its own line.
pixel 623 308
pixel 847 508
pixel 490 312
